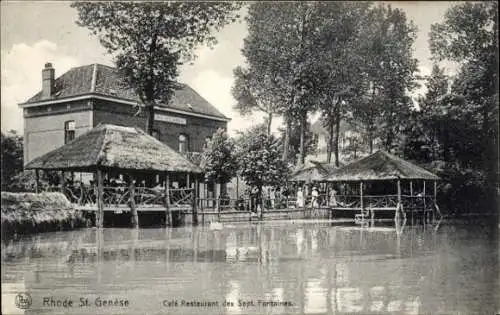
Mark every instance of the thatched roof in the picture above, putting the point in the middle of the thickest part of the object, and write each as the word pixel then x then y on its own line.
pixel 97 79
pixel 114 147
pixel 381 166
pixel 312 171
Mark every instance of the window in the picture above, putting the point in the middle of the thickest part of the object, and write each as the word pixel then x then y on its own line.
pixel 183 143
pixel 69 131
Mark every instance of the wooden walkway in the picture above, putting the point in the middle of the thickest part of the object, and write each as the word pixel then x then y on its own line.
pixel 141 208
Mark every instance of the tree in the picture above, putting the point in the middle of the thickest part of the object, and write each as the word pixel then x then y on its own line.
pixel 423 139
pixel 388 74
pixel 310 145
pixel 12 157
pixel 220 163
pixel 259 157
pixel 339 48
pixel 280 50
pixel 468 35
pixel 254 91
pixel 468 32
pixel 150 40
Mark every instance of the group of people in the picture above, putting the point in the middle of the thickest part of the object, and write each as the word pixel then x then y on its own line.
pixel 283 197
pixel 317 198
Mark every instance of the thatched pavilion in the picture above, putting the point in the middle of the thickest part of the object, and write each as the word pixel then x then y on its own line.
pixel 374 183
pixel 311 171
pixel 110 150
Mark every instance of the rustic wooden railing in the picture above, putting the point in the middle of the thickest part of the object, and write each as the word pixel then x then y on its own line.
pixel 418 202
pixel 381 202
pixel 85 195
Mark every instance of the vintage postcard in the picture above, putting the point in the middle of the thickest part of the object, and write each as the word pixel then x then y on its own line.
pixel 164 157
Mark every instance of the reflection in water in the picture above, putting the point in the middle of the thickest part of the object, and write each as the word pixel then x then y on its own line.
pixel 318 268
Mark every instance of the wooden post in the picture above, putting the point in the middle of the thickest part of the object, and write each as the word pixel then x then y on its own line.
pixel 194 219
pixel 134 220
pixel 396 215
pixel 100 201
pixel 188 184
pixel 167 201
pixel 63 183
pixel 412 203
pixel 37 182
pixel 217 199
pixel 327 194
pixel 203 198
pixel 237 187
pixel 361 196
pixel 261 195
pixel 435 191
pixel 425 206
pixel 435 202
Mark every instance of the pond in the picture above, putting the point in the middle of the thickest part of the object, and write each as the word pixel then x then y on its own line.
pixel 293 267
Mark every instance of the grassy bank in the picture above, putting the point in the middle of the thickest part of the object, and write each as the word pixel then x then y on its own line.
pixel 24 213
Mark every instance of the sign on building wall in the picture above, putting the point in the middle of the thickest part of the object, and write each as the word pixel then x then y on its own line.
pixel 171 119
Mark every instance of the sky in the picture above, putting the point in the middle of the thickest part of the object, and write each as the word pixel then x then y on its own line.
pixel 33 33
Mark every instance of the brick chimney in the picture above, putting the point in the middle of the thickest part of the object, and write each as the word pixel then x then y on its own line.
pixel 48 78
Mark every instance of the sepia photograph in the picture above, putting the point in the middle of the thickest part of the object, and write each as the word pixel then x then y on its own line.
pixel 232 157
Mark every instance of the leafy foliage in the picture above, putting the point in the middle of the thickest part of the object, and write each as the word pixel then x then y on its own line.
pixel 149 40
pixel 12 157
pixel 339 47
pixel 390 73
pixel 219 159
pixel 254 91
pixel 280 51
pixel 456 131
pixel 259 157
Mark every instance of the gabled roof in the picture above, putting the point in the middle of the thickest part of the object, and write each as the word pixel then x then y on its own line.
pixel 114 147
pixel 98 79
pixel 312 171
pixel 381 165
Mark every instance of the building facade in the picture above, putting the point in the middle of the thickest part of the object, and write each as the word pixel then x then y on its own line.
pixel 86 96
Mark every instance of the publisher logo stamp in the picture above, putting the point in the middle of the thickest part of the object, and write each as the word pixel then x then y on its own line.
pixel 23 300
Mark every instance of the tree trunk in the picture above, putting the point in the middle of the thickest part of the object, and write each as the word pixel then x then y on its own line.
pixel 269 122
pixel 370 141
pixel 302 141
pixel 134 219
pixel 150 118
pixel 260 201
pixel 329 145
pixel 286 142
pixel 337 135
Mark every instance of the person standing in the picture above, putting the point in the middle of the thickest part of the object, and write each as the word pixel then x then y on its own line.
pixel 254 198
pixel 315 196
pixel 333 198
pixel 272 196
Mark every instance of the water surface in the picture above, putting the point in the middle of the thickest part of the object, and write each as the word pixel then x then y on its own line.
pixel 300 267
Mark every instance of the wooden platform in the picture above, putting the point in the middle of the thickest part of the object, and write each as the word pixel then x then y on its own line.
pixel 124 208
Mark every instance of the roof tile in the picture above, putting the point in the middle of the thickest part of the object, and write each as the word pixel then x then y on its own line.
pixel 108 82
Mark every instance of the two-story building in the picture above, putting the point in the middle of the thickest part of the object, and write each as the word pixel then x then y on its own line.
pixel 86 96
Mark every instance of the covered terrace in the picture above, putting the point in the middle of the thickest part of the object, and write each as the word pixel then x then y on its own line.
pixel 128 170
pixel 385 182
